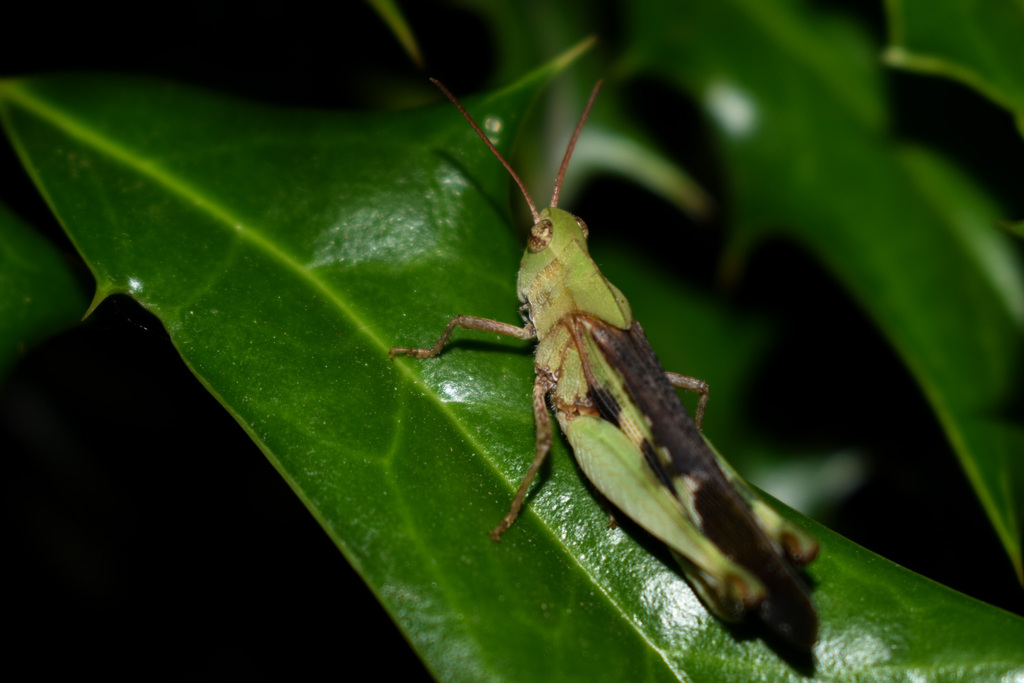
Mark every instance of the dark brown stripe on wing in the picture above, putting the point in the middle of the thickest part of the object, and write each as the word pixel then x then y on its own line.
pixel 654 462
pixel 607 405
pixel 726 519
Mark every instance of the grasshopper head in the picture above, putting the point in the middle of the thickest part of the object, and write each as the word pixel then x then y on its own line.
pixel 555 236
pixel 556 226
pixel 557 275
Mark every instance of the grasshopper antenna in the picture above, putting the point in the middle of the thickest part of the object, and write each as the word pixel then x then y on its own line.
pixel 572 143
pixel 508 167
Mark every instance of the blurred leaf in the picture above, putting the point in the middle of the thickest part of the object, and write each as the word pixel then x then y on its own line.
pixel 393 17
pixel 603 150
pixel 523 32
pixel 976 43
pixel 285 251
pixel 39 295
pixel 610 143
pixel 796 101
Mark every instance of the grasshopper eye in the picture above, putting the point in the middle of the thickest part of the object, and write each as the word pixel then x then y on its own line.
pixel 540 235
pixel 583 227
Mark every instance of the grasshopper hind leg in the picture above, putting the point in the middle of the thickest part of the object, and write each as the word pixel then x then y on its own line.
pixel 697 386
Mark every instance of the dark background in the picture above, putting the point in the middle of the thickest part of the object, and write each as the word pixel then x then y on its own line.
pixel 123 562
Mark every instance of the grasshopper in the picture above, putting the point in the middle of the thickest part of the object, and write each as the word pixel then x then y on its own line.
pixel 631 434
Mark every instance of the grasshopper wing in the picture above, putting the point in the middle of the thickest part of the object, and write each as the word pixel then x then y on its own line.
pixel 645 454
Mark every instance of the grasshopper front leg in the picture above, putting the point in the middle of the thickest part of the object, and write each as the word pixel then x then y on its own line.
pixel 469 322
pixel 542 422
pixel 540 389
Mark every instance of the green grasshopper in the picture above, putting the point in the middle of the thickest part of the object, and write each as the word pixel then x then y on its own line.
pixel 630 433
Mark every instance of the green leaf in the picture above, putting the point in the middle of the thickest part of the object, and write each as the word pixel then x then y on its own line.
pixel 39 295
pixel 285 251
pixel 798 109
pixel 976 43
